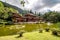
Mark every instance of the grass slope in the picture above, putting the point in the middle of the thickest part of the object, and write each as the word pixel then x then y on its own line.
pixel 32 36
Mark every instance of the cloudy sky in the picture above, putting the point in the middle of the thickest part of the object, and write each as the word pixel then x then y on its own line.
pixel 37 5
pixel 43 5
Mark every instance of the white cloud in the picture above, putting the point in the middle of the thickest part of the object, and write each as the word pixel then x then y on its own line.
pixel 34 4
pixel 37 5
pixel 31 4
pixel 41 5
pixel 56 7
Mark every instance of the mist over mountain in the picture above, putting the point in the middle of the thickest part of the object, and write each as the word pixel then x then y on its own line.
pixel 36 5
pixel 13 6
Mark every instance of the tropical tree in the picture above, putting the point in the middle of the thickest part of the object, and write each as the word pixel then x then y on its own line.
pixel 52 16
pixel 22 2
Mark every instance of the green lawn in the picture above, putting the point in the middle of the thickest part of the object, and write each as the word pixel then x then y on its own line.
pixel 11 29
pixel 32 36
pixel 9 32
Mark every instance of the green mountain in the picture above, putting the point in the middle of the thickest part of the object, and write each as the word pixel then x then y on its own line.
pixel 12 6
pixel 5 12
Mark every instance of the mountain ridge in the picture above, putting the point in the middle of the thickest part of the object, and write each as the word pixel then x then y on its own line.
pixel 12 6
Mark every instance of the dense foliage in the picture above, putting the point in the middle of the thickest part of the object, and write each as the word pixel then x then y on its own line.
pixel 5 12
pixel 52 16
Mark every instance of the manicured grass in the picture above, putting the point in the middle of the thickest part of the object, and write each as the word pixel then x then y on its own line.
pixel 7 31
pixel 11 29
pixel 32 36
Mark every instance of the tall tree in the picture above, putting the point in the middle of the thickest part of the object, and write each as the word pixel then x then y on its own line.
pixel 23 2
pixel 52 16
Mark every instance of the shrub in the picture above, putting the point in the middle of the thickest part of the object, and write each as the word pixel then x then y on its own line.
pixel 54 32
pixel 47 29
pixel 40 30
pixel 58 33
pixel 20 34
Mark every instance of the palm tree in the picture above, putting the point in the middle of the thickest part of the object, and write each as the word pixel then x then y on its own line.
pixel 22 2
